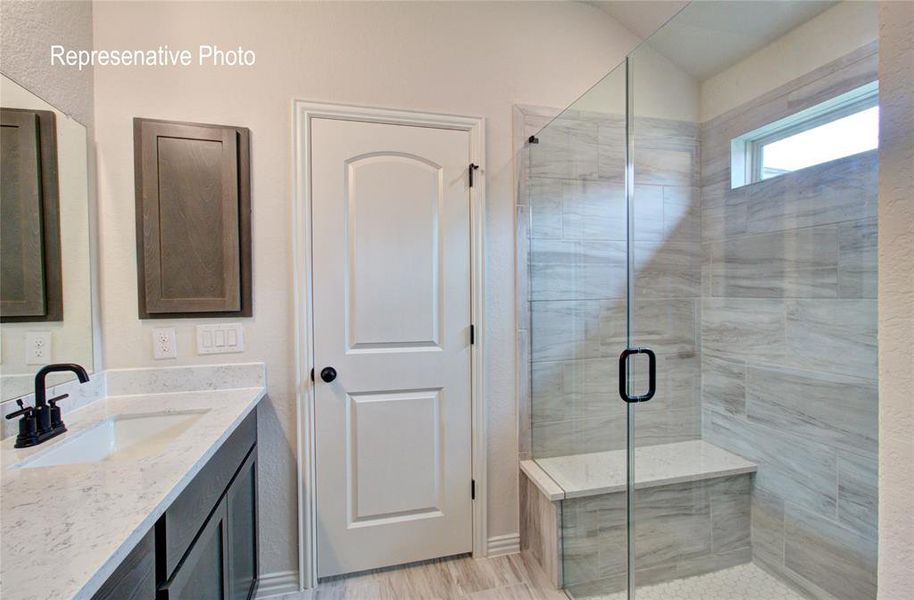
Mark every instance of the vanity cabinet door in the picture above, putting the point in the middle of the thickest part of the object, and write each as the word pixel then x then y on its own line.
pixel 203 573
pixel 241 506
pixel 135 577
pixel 188 513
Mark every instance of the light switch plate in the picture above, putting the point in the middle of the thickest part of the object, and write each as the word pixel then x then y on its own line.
pixel 164 343
pixel 221 338
pixel 38 348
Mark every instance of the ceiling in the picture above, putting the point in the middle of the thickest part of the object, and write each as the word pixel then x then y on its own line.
pixel 641 17
pixel 711 35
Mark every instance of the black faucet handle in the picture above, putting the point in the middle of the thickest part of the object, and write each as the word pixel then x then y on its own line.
pixel 53 401
pixel 23 410
pixel 55 417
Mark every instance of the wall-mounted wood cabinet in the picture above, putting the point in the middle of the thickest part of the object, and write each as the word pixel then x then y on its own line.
pixel 193 219
pixel 29 204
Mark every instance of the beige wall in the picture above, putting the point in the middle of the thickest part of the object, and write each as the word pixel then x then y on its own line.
pixel 27 30
pixel 896 300
pixel 662 89
pixel 455 57
pixel 830 35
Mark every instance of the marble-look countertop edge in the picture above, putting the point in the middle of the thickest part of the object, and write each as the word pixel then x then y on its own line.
pixel 115 559
pixel 541 479
pixel 659 482
pixel 712 462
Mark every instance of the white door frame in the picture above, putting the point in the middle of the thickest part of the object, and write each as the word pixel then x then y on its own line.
pixel 303 112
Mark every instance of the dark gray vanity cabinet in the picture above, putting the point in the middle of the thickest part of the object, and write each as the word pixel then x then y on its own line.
pixel 222 561
pixel 205 545
pixel 204 571
pixel 135 577
pixel 241 520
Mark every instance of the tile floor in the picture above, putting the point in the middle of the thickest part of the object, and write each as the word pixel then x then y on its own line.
pixel 517 577
pixel 513 577
pixel 743 582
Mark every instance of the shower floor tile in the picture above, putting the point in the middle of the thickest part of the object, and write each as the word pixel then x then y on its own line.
pixel 743 582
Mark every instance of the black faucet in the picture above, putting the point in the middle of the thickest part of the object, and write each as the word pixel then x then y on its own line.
pixel 43 421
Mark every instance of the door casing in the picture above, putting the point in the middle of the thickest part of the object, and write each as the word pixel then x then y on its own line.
pixel 303 113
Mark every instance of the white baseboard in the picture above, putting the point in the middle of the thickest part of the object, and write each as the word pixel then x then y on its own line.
pixel 282 583
pixel 499 545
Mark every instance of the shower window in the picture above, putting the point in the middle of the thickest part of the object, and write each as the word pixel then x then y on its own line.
pixel 845 125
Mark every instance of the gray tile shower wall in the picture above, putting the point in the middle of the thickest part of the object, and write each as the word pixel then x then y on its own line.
pixel 574 236
pixel 788 342
pixel 760 300
pixel 682 530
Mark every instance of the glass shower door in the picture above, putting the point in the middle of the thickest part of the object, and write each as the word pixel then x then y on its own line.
pixel 701 312
pixel 752 193
pixel 578 255
pixel 669 506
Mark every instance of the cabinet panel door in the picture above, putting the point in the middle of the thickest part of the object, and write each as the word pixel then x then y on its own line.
pixel 193 218
pixel 189 511
pixel 29 203
pixel 203 572
pixel 135 577
pixel 241 504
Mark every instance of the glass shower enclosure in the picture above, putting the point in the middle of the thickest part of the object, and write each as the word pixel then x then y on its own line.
pixel 700 321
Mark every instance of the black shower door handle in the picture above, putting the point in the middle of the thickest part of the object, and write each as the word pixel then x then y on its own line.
pixel 651 376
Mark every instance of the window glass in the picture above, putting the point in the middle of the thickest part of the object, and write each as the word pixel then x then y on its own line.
pixel 841 126
pixel 851 134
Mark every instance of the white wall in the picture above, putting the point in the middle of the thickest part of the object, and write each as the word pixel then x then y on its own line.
pixel 455 57
pixel 662 90
pixel 896 300
pixel 827 37
pixel 27 30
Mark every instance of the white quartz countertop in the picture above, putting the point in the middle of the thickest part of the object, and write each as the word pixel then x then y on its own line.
pixel 65 528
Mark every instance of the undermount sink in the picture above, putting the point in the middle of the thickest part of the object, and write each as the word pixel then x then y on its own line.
pixel 122 436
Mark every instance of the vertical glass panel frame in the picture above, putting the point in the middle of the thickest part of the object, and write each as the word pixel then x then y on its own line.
pixel 578 296
pixel 666 523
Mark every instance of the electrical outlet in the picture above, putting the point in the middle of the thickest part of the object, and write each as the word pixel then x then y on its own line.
pixel 164 344
pixel 223 338
pixel 38 348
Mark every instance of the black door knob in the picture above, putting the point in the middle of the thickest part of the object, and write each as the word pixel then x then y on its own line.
pixel 328 374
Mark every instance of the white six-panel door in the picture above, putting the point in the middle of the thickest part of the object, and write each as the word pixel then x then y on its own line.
pixel 391 314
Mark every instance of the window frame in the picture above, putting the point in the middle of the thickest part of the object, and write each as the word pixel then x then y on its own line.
pixel 747 149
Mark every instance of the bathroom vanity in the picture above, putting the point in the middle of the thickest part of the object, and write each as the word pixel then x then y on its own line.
pixel 134 484
pixel 207 538
pixel 148 495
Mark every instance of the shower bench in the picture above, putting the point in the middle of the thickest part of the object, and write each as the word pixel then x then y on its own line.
pixel 691 514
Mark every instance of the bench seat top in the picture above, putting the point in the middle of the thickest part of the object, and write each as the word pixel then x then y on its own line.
pixel 579 475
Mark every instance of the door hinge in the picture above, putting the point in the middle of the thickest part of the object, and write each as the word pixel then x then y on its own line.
pixel 472 489
pixel 472 334
pixel 472 168
pixel 312 375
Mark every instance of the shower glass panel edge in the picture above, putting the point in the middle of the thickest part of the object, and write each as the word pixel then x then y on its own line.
pixel 577 265
pixel 631 585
